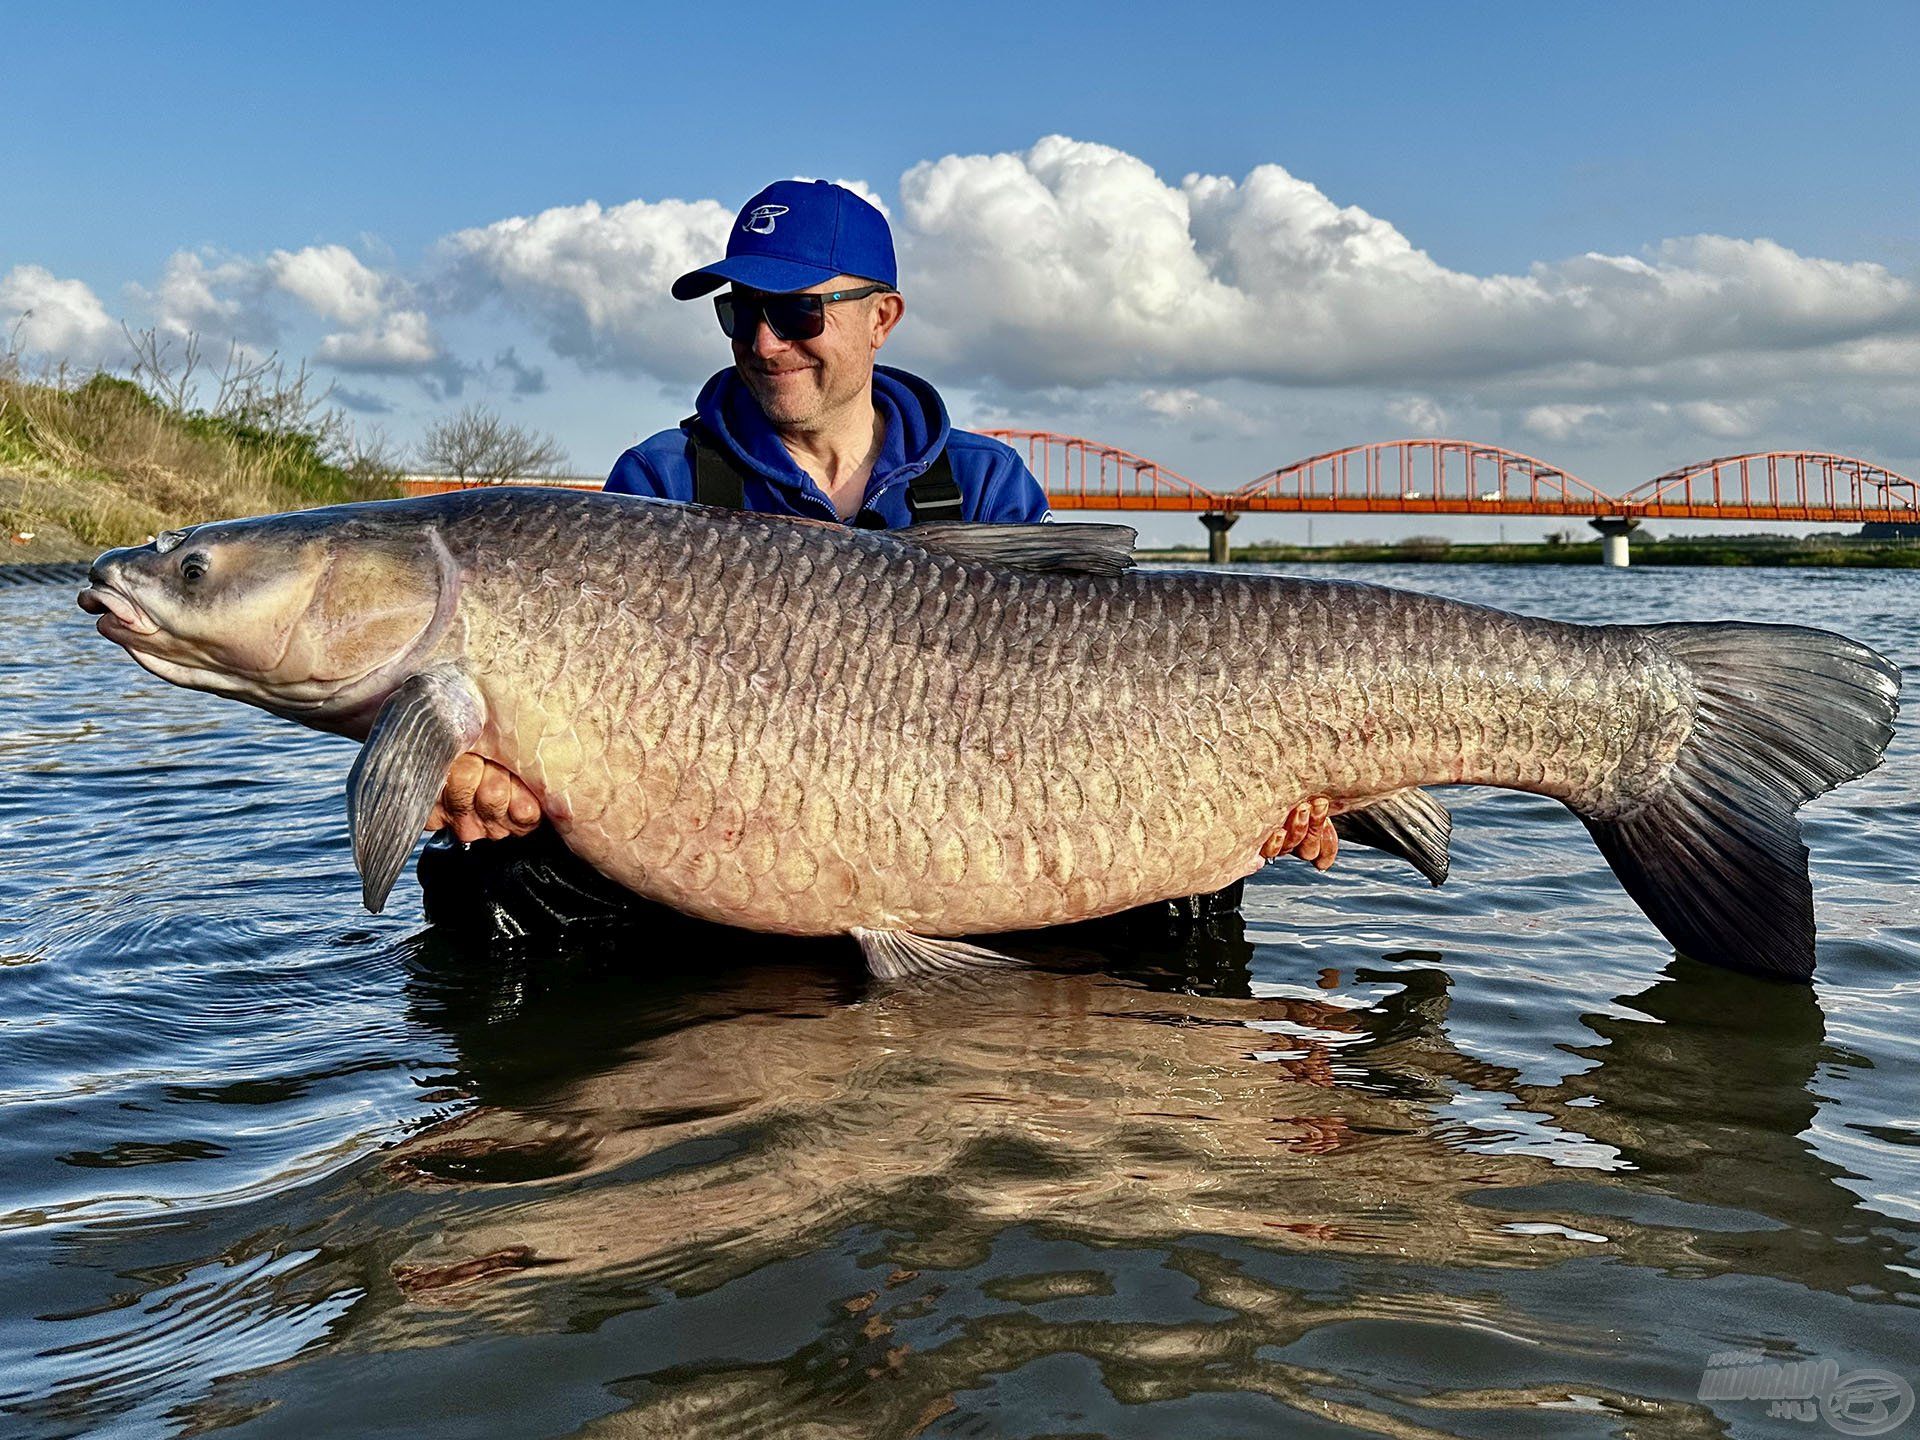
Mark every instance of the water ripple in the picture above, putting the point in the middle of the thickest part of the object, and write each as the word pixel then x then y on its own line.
pixel 1376 1158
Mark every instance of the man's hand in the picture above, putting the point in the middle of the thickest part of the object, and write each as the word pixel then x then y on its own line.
pixel 1307 832
pixel 484 801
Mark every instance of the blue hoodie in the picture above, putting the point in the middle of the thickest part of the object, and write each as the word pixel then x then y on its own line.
pixel 995 485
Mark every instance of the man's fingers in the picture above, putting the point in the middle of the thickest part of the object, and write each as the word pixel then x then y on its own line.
pixel 1291 833
pixel 1309 847
pixel 1329 846
pixel 491 795
pixel 504 804
pixel 523 810
pixel 483 801
pixel 1307 832
pixel 463 778
pixel 1296 829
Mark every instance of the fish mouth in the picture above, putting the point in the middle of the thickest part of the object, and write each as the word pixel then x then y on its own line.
pixel 117 611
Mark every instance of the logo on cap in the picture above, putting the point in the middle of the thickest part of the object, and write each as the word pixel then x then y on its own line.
pixel 760 219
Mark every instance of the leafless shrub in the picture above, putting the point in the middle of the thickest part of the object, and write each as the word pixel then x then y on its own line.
pixel 477 443
pixel 260 395
pixel 156 368
pixel 10 354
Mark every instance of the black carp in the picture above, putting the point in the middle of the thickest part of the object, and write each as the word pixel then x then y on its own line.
pixel 955 730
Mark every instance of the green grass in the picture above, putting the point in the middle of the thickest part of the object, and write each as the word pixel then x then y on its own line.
pixel 92 463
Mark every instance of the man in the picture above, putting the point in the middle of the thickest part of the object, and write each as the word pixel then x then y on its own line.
pixel 805 419
pixel 805 423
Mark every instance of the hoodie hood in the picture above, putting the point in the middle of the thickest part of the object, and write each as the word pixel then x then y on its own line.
pixel 912 418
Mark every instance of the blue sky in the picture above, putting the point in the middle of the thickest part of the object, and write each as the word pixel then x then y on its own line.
pixel 1493 139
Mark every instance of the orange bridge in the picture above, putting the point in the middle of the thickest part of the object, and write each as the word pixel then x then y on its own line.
pixel 1463 477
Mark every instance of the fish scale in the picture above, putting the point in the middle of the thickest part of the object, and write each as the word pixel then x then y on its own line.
pixel 958 730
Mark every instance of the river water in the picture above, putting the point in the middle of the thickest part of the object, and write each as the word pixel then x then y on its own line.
pixel 1378 1159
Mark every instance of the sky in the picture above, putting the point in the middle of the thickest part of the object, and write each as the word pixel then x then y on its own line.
pixel 1226 237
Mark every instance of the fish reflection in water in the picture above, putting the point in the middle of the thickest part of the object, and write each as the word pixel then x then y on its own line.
pixel 682 1135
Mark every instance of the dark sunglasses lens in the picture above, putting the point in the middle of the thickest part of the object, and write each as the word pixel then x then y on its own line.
pixel 734 316
pixel 792 317
pixel 796 317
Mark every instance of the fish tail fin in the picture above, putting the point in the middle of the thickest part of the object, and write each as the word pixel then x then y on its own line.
pixel 1713 854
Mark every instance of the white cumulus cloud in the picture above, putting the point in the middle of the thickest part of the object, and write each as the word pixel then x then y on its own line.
pixel 594 280
pixel 1075 263
pixel 332 282
pixel 1422 415
pixel 250 300
pixel 1728 422
pixel 218 296
pixel 55 319
pixel 401 341
pixel 1561 422
pixel 1182 404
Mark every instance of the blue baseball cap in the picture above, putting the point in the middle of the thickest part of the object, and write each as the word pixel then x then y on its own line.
pixel 797 233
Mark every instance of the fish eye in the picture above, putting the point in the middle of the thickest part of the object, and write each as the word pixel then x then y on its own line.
pixel 193 567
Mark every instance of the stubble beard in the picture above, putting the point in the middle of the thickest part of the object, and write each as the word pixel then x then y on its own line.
pixel 806 406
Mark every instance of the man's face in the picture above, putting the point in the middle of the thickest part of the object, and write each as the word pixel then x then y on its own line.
pixel 802 384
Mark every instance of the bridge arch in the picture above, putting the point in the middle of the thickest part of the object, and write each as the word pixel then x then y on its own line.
pixel 1802 485
pixel 1426 476
pixel 1081 473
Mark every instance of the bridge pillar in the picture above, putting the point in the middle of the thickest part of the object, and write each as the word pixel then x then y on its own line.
pixel 1218 523
pixel 1614 530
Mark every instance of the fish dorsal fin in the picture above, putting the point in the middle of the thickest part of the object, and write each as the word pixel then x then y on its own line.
pixel 1084 549
pixel 1408 823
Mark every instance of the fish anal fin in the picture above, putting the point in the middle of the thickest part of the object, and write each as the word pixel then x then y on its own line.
pixel 402 768
pixel 1080 548
pixel 1408 823
pixel 901 955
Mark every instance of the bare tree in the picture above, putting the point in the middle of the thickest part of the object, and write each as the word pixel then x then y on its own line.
pixel 478 444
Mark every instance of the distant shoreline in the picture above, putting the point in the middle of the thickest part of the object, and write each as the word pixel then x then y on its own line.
pixel 1781 552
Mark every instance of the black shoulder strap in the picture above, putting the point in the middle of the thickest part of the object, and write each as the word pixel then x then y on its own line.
pixel 716 475
pixel 933 496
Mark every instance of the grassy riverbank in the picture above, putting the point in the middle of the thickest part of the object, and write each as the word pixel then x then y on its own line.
pixel 89 463
pixel 1734 550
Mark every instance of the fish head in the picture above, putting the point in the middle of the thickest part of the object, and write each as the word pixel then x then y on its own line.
pixel 314 615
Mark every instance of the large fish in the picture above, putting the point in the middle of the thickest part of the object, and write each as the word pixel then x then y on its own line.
pixel 955 730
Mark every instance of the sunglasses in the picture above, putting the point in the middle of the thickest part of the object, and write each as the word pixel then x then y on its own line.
pixel 790 317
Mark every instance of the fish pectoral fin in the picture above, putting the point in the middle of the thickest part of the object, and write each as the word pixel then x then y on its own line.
pixel 1078 548
pixel 899 954
pixel 402 767
pixel 1408 823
